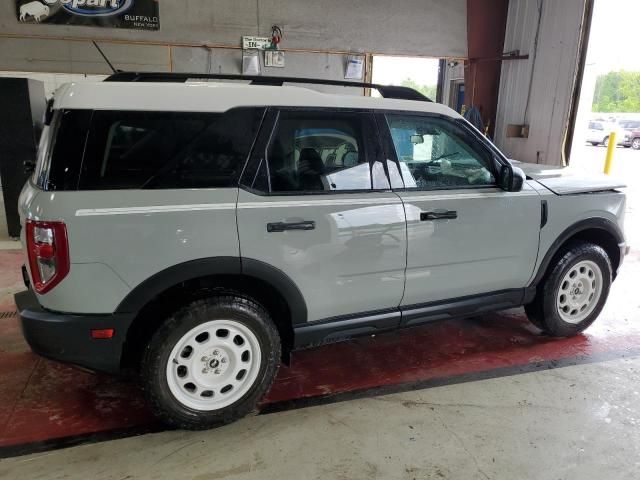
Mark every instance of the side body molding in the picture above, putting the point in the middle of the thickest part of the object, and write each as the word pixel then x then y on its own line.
pixel 165 279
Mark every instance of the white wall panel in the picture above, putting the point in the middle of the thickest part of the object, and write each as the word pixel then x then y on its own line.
pixel 550 83
pixel 53 80
pixel 297 64
pixel 412 27
pixel 48 55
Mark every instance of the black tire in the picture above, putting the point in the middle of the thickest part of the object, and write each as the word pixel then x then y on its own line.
pixel 543 312
pixel 635 143
pixel 153 369
pixel 605 142
pixel 595 144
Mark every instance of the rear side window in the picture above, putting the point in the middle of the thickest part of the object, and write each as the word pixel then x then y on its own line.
pixel 323 151
pixel 132 150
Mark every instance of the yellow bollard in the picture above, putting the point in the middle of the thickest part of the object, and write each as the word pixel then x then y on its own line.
pixel 608 161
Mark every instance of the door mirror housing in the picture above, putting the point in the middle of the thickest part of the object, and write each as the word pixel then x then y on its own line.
pixel 511 178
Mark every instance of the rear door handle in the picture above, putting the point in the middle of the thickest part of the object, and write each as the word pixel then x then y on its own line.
pixel 438 215
pixel 282 226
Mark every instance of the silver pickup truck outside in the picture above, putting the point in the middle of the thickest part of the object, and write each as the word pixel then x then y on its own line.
pixel 198 232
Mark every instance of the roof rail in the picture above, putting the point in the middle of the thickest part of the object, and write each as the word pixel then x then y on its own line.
pixel 387 91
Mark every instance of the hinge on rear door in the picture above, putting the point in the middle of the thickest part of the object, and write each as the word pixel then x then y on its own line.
pixel 544 213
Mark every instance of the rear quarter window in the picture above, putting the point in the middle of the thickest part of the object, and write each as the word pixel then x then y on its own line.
pixel 152 150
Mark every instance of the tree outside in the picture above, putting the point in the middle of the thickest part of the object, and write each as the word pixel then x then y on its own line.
pixel 427 90
pixel 617 92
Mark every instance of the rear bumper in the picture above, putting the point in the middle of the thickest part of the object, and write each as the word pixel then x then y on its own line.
pixel 67 337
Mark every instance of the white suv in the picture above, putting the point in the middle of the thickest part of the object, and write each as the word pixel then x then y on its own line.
pixel 199 232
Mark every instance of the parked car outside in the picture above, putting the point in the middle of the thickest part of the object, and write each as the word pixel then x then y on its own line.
pixel 198 233
pixel 630 129
pixel 632 139
pixel 598 133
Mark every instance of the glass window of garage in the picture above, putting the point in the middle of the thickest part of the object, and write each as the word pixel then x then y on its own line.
pixel 324 151
pixel 154 150
pixel 434 153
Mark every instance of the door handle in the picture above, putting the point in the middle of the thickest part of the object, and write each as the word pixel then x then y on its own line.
pixel 282 226
pixel 438 215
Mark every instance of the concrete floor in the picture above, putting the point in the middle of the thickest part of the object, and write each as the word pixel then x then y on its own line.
pixel 577 422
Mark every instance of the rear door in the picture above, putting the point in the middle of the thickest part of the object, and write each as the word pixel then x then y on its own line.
pixel 315 202
pixel 466 236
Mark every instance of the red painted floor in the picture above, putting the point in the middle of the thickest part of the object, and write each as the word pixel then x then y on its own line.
pixel 42 400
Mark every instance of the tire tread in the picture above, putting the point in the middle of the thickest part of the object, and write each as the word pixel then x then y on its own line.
pixel 542 310
pixel 152 367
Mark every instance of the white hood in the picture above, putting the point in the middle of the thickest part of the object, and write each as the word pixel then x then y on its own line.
pixel 566 181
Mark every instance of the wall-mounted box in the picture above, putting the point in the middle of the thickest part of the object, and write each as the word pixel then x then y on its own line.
pixel 517 131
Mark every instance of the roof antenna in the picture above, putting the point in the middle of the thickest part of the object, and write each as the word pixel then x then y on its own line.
pixel 105 57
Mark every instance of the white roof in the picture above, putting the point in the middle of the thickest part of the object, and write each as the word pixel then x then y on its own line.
pixel 218 97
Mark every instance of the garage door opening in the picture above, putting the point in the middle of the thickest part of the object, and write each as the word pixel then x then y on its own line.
pixel 610 93
pixel 419 73
pixel 610 101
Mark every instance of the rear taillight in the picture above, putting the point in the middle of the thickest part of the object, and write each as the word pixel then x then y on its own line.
pixel 48 251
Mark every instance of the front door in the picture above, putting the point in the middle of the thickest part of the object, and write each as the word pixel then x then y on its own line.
pixel 316 204
pixel 466 236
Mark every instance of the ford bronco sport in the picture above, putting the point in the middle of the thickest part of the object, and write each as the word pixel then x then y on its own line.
pixel 198 232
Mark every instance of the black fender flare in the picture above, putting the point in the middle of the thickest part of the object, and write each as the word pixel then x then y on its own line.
pixel 598 223
pixel 150 288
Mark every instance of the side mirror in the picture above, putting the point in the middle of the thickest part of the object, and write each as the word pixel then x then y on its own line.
pixel 511 178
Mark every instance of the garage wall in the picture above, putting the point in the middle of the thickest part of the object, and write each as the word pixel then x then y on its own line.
pixel 409 27
pixel 54 80
pixel 538 91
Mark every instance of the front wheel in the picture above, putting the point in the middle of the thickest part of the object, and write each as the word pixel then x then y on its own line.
pixel 573 294
pixel 605 142
pixel 635 143
pixel 211 362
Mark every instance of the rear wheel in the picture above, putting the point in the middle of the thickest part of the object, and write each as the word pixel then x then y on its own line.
pixel 605 142
pixel 594 143
pixel 573 294
pixel 635 143
pixel 211 362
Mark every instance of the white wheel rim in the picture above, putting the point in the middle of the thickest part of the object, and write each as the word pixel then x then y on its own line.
pixel 213 365
pixel 636 144
pixel 579 291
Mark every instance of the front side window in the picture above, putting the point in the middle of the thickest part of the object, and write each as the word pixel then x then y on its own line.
pixel 434 153
pixel 167 149
pixel 322 151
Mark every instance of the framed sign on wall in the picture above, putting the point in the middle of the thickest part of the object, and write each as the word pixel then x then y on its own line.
pixel 135 14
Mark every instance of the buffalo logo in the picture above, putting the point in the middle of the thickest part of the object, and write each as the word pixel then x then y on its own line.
pixel 93 8
pixel 35 10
